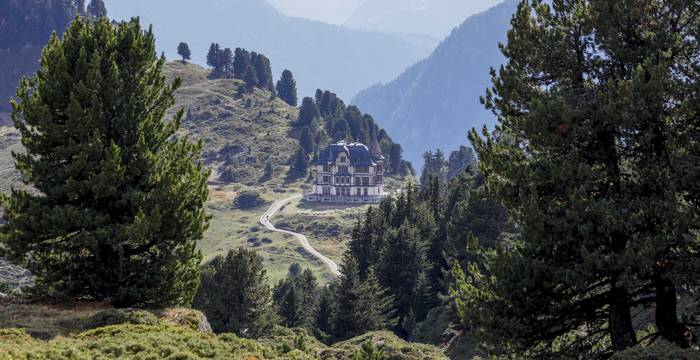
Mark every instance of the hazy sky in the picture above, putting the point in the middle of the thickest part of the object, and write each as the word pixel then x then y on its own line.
pixel 330 11
pixel 339 11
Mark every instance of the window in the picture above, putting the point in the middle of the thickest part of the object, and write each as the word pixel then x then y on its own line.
pixel 326 179
pixel 380 179
pixel 358 190
pixel 326 190
pixel 362 169
pixel 326 168
pixel 365 181
pixel 343 169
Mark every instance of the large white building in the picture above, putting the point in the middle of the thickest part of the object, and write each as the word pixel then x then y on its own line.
pixel 349 173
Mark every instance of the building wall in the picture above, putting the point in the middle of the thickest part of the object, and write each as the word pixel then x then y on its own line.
pixel 327 177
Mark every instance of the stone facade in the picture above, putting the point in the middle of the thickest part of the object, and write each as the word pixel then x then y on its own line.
pixel 349 173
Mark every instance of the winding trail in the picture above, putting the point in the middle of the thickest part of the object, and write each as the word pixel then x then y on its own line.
pixel 265 220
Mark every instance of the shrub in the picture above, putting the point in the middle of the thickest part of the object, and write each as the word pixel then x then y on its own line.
pixel 248 200
pixel 120 316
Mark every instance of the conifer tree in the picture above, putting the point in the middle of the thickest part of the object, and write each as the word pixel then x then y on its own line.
pixel 403 270
pixel 213 55
pixel 361 306
pixel 306 140
pixel 287 88
pixel 263 70
pixel 96 8
pixel 308 112
pixel 241 63
pixel 118 206
pixel 300 161
pixel 234 294
pixel 250 78
pixel 597 106
pixel 184 51
pixel 269 169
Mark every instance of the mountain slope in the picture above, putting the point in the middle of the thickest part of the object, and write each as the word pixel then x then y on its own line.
pixel 330 11
pixel 435 18
pixel 25 26
pixel 320 55
pixel 436 101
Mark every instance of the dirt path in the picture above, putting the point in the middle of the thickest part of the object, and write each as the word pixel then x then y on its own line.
pixel 265 220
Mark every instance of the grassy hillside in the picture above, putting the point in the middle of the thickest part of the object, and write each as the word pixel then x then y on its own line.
pixel 88 331
pixel 240 131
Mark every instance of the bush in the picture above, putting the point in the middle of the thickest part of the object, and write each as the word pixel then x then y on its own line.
pixel 119 316
pixel 248 200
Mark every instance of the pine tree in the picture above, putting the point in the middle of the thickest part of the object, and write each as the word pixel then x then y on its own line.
pixel 184 51
pixel 306 140
pixel 213 55
pixel 269 169
pixel 118 207
pixel 96 8
pixel 592 157
pixel 296 299
pixel 287 88
pixel 234 294
pixel 263 70
pixel 403 270
pixel 251 80
pixel 300 161
pixel 241 63
pixel 225 63
pixel 308 112
pixel 361 306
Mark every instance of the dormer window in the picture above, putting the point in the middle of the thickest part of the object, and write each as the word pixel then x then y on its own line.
pixel 343 158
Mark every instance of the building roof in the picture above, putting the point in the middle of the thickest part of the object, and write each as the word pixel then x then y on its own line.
pixel 358 154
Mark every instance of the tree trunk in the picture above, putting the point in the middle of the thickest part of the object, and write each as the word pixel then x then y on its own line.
pixel 620 320
pixel 666 314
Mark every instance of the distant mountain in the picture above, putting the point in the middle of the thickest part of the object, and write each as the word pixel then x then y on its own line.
pixel 25 26
pixel 436 101
pixel 435 18
pixel 320 55
pixel 330 11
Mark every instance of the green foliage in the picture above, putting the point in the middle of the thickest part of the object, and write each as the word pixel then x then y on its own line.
pixel 296 299
pixel 119 203
pixel 269 169
pixel 435 166
pixel 368 352
pixel 221 60
pixel 306 140
pixel 234 294
pixel 300 161
pixel 119 316
pixel 263 72
pixel 594 159
pixel 359 305
pixel 248 200
pixel 308 112
pixel 287 88
pixel 241 63
pixel 184 51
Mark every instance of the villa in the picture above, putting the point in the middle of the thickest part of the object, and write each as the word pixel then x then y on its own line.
pixel 349 173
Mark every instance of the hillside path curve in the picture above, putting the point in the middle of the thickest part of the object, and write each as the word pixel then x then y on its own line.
pixel 265 220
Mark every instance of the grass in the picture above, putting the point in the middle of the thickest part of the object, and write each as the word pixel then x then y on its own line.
pixel 328 226
pixel 232 228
